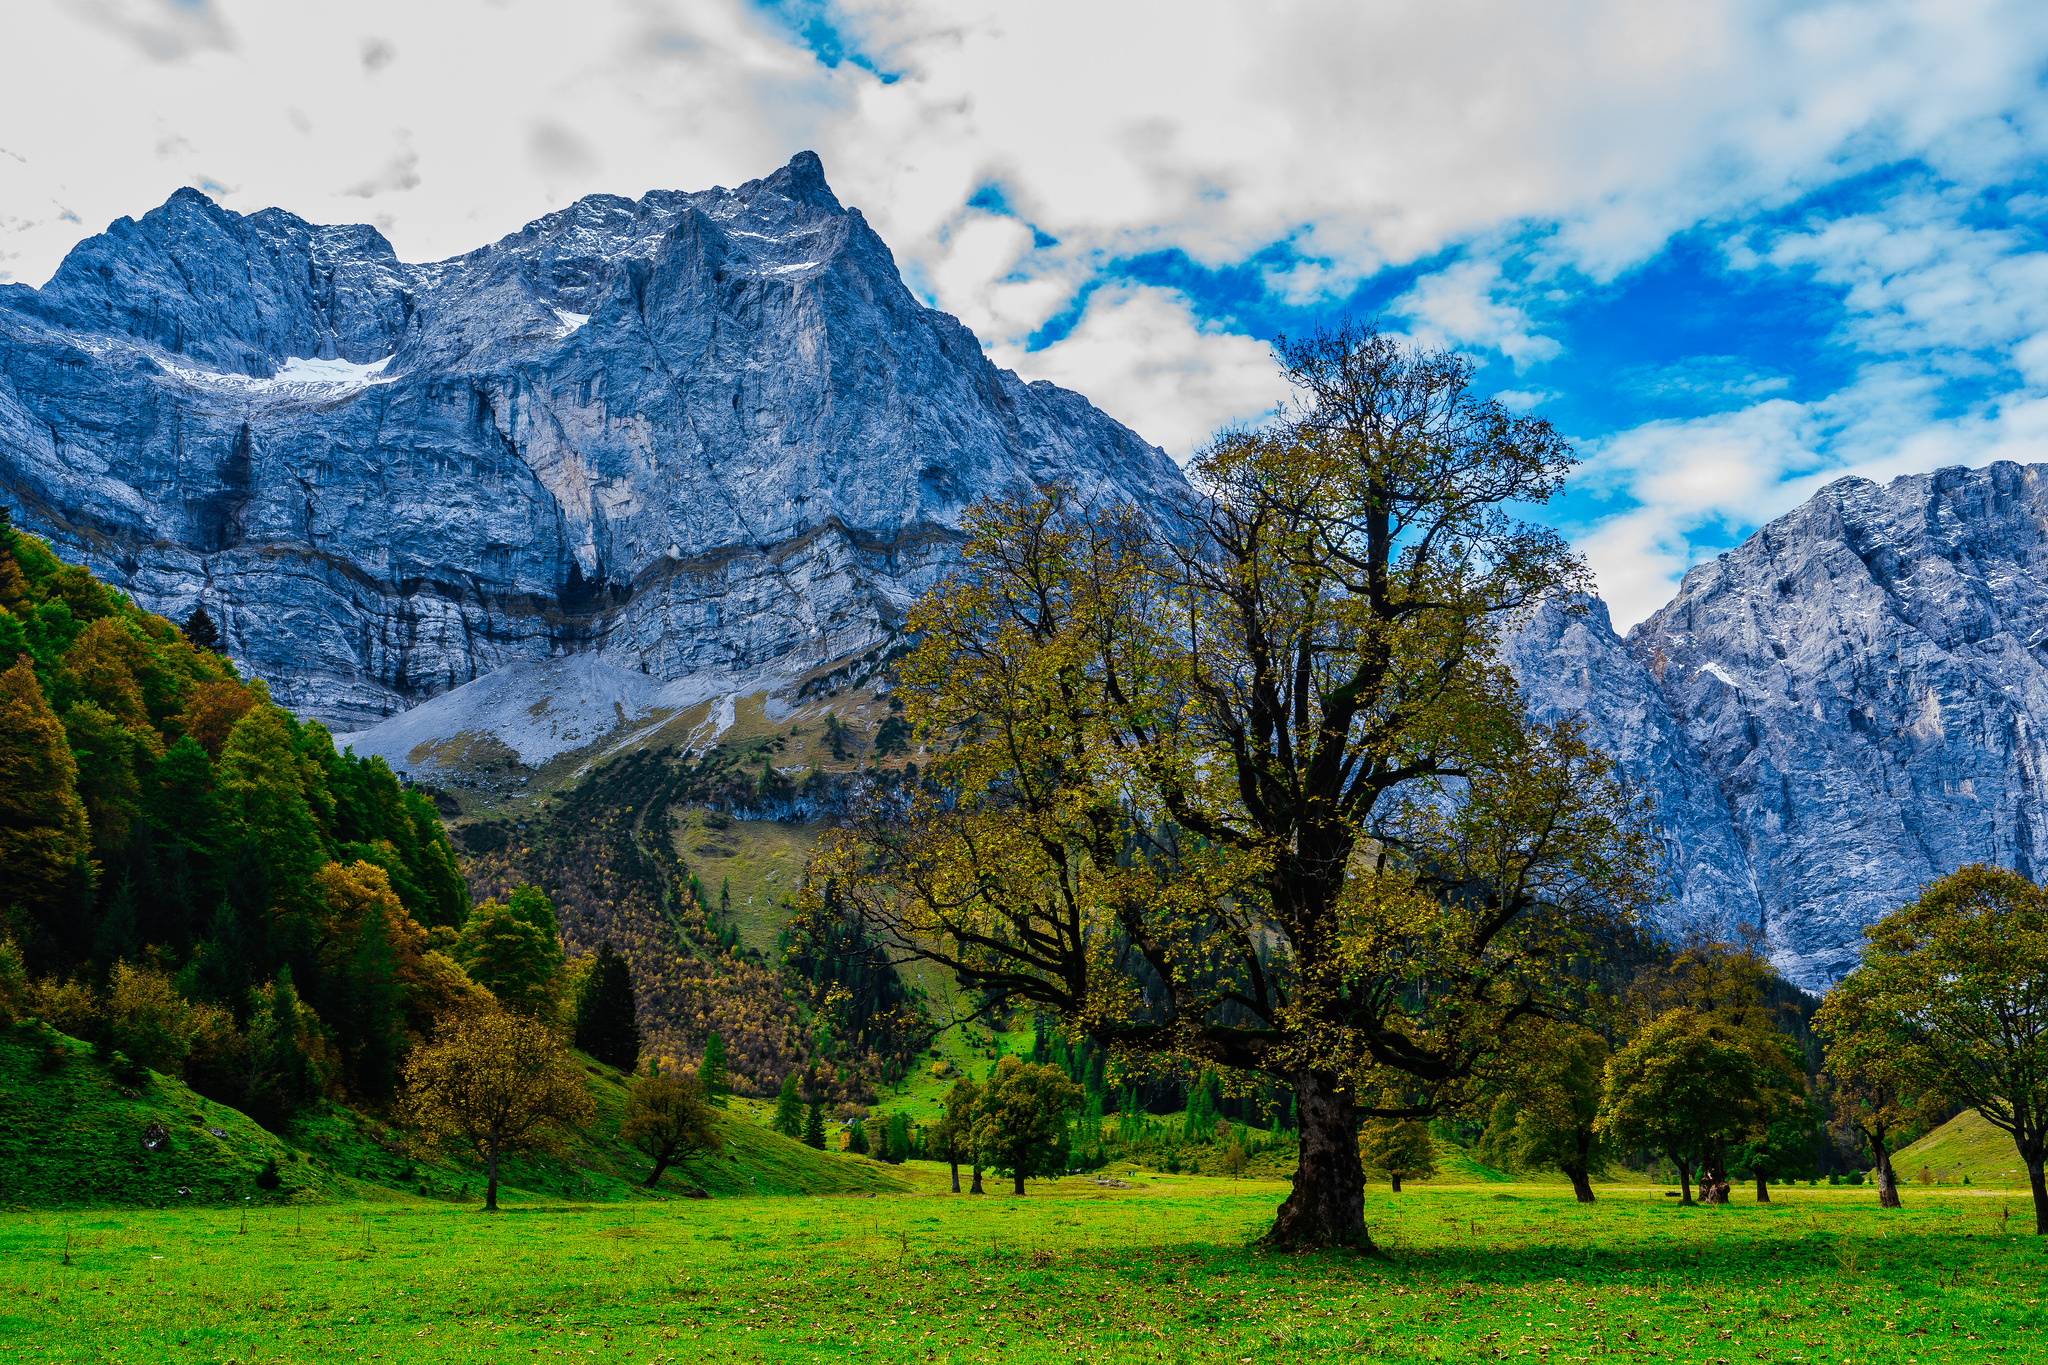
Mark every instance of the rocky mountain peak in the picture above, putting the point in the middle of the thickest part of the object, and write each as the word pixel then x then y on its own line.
pixel 698 434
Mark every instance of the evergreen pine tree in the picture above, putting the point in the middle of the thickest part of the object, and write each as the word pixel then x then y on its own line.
pixel 1201 1119
pixel 814 1126
pixel 375 1026
pixel 607 1025
pixel 711 1073
pixel 789 1116
pixel 857 1139
pixel 200 629
pixel 42 821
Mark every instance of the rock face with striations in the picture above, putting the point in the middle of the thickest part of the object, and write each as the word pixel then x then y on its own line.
pixel 1864 682
pixel 1570 662
pixel 698 434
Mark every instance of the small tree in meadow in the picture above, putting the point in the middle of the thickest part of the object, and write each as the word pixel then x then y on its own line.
pixel 1546 1110
pixel 1020 1125
pixel 668 1118
pixel 1397 1148
pixel 951 1139
pixel 814 1125
pixel 494 1083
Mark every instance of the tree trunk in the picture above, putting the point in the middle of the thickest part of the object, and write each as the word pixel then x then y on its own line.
pixel 491 1182
pixel 954 1162
pixel 1582 1184
pixel 1684 1182
pixel 1395 1176
pixel 660 1165
pixel 1328 1202
pixel 977 1179
pixel 1714 1177
pixel 1018 1178
pixel 1763 1190
pixel 1887 1181
pixel 2036 1178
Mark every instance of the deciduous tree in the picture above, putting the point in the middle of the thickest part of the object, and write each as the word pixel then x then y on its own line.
pixel 1690 1085
pixel 1020 1120
pixel 667 1118
pixel 1952 996
pixel 43 833
pixel 491 1084
pixel 1397 1148
pixel 1245 784
pixel 1548 1106
pixel 952 1137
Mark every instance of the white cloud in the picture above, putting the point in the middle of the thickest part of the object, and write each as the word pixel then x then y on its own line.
pixel 1140 355
pixel 1460 307
pixel 1580 134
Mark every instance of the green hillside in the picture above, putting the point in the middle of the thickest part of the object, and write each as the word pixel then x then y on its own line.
pixel 1965 1146
pixel 72 1133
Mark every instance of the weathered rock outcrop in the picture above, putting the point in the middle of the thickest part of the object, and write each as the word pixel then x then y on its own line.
pixel 1570 661
pixel 1849 704
pixel 1865 679
pixel 697 434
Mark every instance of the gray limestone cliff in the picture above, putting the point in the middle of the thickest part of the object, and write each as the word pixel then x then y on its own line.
pixel 1569 661
pixel 1844 707
pixel 700 434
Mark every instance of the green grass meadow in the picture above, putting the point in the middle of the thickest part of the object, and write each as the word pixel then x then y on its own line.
pixel 1164 1271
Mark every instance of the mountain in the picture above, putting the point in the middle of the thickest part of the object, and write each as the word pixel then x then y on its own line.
pixel 666 473
pixel 706 436
pixel 1853 702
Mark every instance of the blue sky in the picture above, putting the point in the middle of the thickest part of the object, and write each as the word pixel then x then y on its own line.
pixel 1733 248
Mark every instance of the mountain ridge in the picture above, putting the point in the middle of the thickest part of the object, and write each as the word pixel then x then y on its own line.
pixel 710 432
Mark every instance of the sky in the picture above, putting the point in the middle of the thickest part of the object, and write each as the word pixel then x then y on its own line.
pixel 1733 249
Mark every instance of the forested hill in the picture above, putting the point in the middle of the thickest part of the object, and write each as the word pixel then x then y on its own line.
pixel 167 829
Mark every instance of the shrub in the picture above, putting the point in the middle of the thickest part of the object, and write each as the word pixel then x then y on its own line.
pixel 71 1007
pixel 51 1054
pixel 145 1017
pixel 268 1178
pixel 126 1069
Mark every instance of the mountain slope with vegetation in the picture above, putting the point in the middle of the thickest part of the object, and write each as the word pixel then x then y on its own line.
pixel 73 1132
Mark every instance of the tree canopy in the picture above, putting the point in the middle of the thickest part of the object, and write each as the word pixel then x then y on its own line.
pixel 493 1083
pixel 1020 1120
pixel 1243 783
pixel 667 1118
pixel 1548 1106
pixel 1952 997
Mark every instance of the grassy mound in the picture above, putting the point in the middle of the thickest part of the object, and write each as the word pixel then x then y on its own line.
pixel 1966 1145
pixel 71 1133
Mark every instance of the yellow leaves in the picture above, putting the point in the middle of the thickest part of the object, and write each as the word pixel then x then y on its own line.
pixel 493 1081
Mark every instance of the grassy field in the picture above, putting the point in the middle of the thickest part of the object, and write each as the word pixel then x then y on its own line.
pixel 1162 1272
